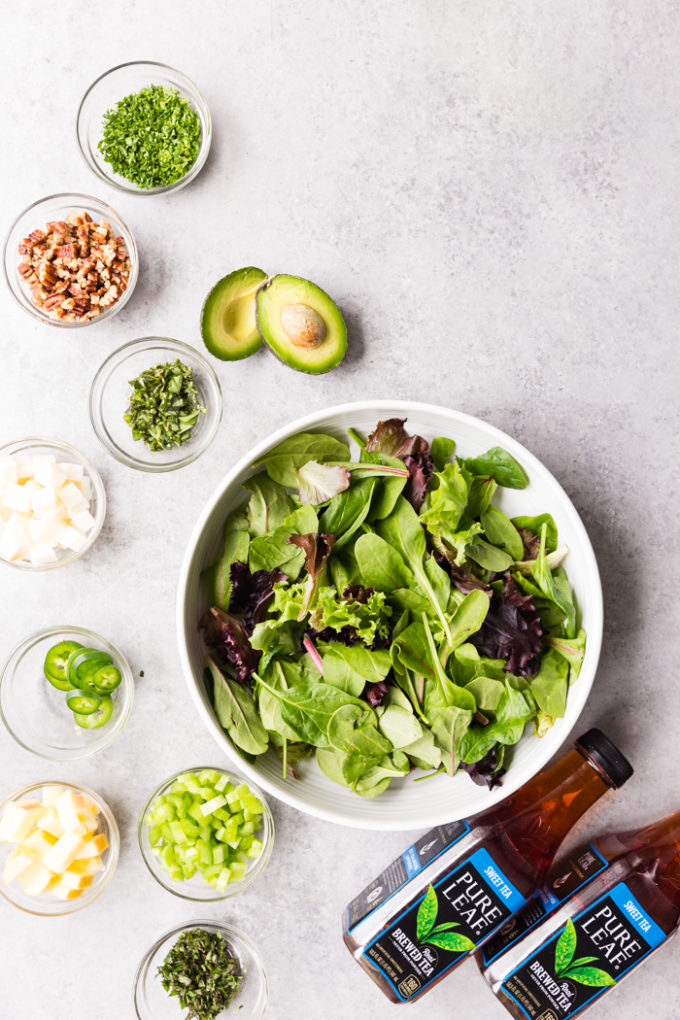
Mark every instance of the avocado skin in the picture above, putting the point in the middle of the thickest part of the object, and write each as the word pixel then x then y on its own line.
pixel 279 291
pixel 230 288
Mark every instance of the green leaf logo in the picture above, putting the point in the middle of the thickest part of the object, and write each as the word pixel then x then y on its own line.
pixel 427 914
pixel 439 935
pixel 591 976
pixel 576 970
pixel 565 948
pixel 451 940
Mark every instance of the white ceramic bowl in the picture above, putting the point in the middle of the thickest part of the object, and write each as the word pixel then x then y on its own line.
pixel 442 798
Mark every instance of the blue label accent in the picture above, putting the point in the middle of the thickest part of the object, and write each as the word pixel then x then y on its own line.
pixel 502 886
pixel 411 862
pixel 649 932
pixel 639 918
pixel 550 900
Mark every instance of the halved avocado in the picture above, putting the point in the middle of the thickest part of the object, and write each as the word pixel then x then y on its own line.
pixel 228 325
pixel 301 324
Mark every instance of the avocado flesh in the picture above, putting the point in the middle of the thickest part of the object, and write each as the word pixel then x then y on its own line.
pixel 301 324
pixel 228 324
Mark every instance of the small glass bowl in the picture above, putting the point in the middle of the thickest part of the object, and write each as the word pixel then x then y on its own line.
pixel 65 453
pixel 195 888
pixel 36 714
pixel 116 84
pixel 110 394
pixel 152 1002
pixel 57 207
pixel 46 904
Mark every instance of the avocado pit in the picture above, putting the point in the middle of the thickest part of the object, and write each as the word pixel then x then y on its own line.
pixel 303 325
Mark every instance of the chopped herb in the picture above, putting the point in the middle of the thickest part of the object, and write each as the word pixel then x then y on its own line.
pixel 202 973
pixel 164 405
pixel 151 138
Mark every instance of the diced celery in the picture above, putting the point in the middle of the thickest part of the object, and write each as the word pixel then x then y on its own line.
pixel 219 853
pixel 155 834
pixel 222 783
pixel 256 848
pixel 223 879
pixel 213 804
pixel 237 870
pixel 178 833
pixel 195 812
pixel 248 828
pixel 208 777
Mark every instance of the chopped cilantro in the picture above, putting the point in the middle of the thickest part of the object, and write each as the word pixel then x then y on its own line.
pixel 152 137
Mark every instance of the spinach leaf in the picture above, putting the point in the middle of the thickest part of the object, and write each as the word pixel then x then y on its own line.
pixel 281 675
pixel 468 617
pixel 330 761
pixel 272 550
pixel 218 577
pixel 449 726
pixel 441 448
pixel 282 462
pixel 549 686
pixel 347 511
pixel 501 532
pixel 486 692
pixel 573 649
pixel 552 586
pixel 513 711
pixel 351 667
pixel 389 487
pixel 534 525
pixel 488 556
pixel 502 467
pixel 476 743
pixel 307 708
pixel 352 729
pixel 400 726
pixel 237 713
pixel 268 506
pixel 380 565
pixel 482 490
pixel 424 752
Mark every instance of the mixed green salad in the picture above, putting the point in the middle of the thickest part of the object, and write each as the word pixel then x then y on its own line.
pixel 384 615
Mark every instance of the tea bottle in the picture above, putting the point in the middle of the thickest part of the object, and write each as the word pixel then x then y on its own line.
pixel 602 929
pixel 455 887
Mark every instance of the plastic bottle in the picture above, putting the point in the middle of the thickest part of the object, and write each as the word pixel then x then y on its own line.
pixel 458 884
pixel 599 931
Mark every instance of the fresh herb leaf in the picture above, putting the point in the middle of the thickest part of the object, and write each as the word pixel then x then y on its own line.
pixel 202 973
pixel 164 406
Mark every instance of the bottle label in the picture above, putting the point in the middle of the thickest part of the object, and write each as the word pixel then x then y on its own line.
pixel 587 956
pixel 444 925
pixel 573 873
pixel 401 871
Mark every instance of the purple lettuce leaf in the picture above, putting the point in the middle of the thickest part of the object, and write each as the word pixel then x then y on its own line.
pixel 463 577
pixel 532 543
pixel 251 592
pixel 512 630
pixel 391 438
pixel 374 693
pixel 226 636
pixel 485 772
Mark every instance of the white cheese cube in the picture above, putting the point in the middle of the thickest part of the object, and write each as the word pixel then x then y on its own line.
pixel 83 520
pixel 72 472
pixel 42 552
pixel 15 497
pixel 56 513
pixel 45 531
pixel 47 472
pixel 67 808
pixel 72 498
pixel 17 862
pixel 85 487
pixel 18 820
pixel 72 538
pixel 24 463
pixel 37 880
pixel 8 471
pixel 50 794
pixel 42 501
pixel 64 852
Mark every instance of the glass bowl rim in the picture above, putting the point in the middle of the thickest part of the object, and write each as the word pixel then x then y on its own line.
pixel 60 444
pixel 98 387
pixel 259 863
pixel 127 684
pixel 206 136
pixel 231 933
pixel 72 906
pixel 130 242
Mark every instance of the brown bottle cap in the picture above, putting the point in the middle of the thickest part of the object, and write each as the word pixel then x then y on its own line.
pixel 604 753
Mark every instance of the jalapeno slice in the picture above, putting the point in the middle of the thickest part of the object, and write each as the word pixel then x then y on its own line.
pixel 83 663
pixel 106 679
pixel 55 665
pixel 83 702
pixel 93 720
